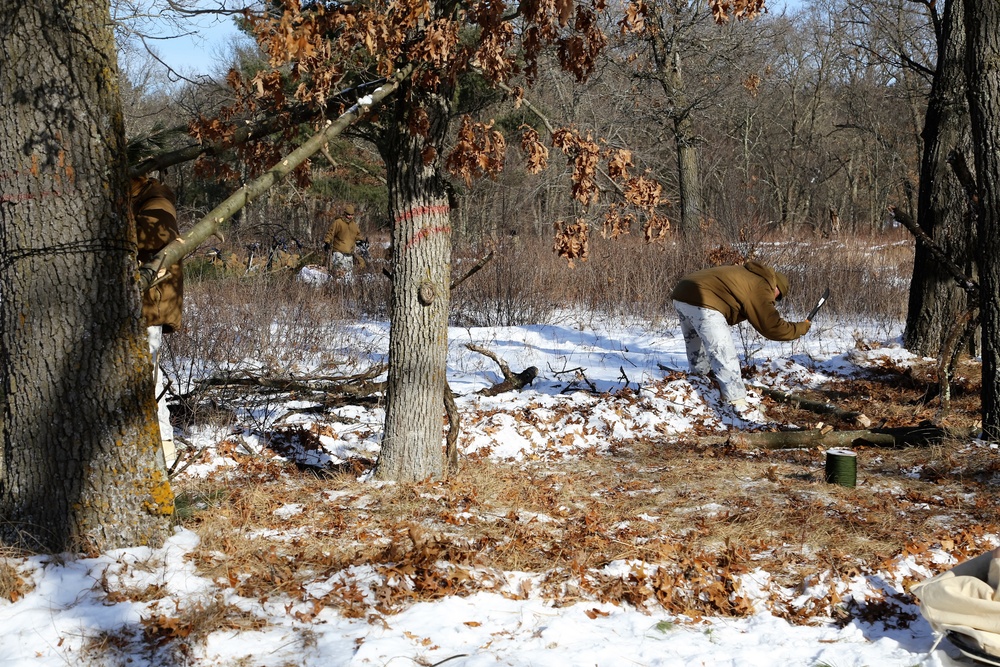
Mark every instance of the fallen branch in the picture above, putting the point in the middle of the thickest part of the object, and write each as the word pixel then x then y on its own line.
pixel 578 377
pixel 912 436
pixel 511 381
pixel 820 407
pixel 356 386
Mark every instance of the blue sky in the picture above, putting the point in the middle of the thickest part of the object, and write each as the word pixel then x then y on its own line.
pixel 200 52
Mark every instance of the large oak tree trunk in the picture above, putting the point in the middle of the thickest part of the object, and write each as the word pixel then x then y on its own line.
pixel 421 257
pixel 982 22
pixel 78 428
pixel 936 302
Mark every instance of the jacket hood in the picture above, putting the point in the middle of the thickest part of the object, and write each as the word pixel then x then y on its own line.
pixel 765 272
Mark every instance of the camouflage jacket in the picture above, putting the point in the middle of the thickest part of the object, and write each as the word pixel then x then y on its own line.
pixel 155 212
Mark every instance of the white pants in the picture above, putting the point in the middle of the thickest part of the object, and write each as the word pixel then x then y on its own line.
pixel 710 348
pixel 341 264
pixel 155 335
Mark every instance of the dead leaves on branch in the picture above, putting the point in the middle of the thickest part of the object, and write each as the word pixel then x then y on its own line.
pixel 318 53
pixel 536 154
pixel 572 240
pixel 438 46
pixel 479 151
pixel 640 192
pixel 741 10
pixel 584 153
pixel 634 20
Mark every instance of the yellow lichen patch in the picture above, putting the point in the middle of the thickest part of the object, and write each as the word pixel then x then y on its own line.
pixel 161 495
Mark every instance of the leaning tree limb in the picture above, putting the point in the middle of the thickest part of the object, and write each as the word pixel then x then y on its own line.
pixel 968 284
pixel 254 129
pixel 476 268
pixel 156 269
pixel 454 424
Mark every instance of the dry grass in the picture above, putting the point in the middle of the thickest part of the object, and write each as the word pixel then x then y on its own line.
pixel 526 283
pixel 698 515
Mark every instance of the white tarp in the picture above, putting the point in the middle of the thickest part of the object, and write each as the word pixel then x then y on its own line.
pixel 966 599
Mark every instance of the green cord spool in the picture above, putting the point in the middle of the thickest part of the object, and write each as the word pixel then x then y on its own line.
pixel 841 467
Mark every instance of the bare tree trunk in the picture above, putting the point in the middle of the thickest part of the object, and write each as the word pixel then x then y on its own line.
pixel 78 428
pixel 689 178
pixel 421 259
pixel 982 23
pixel 672 18
pixel 688 175
pixel 943 211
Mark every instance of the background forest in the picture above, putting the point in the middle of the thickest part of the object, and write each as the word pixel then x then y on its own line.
pixel 791 127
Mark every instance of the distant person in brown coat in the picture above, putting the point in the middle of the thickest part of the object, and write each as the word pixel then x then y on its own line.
pixel 155 212
pixel 710 301
pixel 340 241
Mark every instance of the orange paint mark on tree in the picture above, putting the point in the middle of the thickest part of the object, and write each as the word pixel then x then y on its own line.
pixel 424 232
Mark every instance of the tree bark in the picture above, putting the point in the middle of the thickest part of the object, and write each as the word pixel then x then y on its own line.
pixel 982 30
pixel 421 259
pixel 78 430
pixel 943 210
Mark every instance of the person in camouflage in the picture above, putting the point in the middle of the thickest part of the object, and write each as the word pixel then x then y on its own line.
pixel 340 242
pixel 710 301
pixel 155 211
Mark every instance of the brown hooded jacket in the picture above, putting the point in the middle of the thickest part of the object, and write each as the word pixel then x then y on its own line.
pixel 740 293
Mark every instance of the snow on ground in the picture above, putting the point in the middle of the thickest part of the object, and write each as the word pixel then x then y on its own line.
pixel 67 608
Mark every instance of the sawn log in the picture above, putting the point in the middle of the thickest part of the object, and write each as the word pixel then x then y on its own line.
pixel 912 436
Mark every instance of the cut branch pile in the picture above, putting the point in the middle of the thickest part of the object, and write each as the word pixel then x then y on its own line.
pixel 333 390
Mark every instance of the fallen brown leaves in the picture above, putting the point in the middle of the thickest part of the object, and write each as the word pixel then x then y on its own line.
pixel 12 585
pixel 653 523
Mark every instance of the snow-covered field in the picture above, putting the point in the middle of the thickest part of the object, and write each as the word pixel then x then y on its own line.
pixel 65 617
